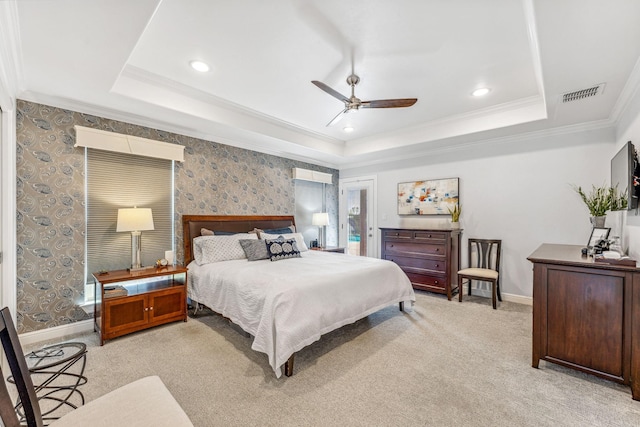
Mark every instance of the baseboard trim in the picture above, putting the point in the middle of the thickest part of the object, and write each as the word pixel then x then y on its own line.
pixel 518 299
pixel 55 333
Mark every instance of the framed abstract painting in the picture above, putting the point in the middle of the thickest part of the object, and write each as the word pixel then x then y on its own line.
pixel 429 197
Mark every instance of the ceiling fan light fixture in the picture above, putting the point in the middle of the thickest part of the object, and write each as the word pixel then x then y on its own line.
pixel 482 91
pixel 348 129
pixel 199 66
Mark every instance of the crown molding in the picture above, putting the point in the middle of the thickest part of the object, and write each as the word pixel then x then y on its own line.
pixel 450 145
pixel 135 119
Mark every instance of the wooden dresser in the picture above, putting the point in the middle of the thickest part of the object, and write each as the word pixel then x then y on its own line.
pixel 429 257
pixel 586 315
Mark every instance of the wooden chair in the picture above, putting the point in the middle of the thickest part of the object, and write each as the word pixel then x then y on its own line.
pixel 145 402
pixel 484 265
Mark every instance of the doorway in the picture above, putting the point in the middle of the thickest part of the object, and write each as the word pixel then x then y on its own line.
pixel 357 216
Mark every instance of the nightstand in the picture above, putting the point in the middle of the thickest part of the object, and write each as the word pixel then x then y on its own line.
pixel 329 249
pixel 129 301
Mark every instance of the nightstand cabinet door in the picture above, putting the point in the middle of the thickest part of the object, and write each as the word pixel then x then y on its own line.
pixel 167 305
pixel 429 257
pixel 122 314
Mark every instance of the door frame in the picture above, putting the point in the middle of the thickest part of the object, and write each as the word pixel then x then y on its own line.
pixel 342 214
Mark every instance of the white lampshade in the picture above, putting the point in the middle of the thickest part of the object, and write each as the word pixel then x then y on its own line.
pixel 320 219
pixel 134 219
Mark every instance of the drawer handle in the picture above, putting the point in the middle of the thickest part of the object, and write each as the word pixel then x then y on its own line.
pixel 391 245
pixel 146 309
pixel 429 235
pixel 436 282
pixel 437 249
pixel 151 308
pixel 437 265
pixel 397 234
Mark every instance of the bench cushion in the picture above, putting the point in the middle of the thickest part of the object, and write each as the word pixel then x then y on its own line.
pixel 145 402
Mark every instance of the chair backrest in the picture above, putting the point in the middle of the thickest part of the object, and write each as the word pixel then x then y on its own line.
pixel 20 372
pixel 485 253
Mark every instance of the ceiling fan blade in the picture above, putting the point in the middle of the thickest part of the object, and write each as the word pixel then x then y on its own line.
pixel 389 103
pixel 330 91
pixel 337 118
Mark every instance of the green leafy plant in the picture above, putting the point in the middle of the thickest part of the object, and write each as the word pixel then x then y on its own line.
pixel 619 200
pixel 598 201
pixel 455 213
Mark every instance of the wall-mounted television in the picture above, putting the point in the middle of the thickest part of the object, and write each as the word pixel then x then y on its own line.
pixel 623 171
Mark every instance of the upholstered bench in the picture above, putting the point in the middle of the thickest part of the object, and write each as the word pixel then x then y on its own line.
pixel 125 406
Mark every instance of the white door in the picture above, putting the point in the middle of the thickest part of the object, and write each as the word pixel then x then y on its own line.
pixel 357 231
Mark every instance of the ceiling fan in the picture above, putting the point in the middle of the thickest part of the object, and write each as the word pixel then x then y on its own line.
pixel 354 104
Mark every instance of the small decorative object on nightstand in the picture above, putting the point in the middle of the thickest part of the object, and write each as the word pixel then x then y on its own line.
pixel 329 249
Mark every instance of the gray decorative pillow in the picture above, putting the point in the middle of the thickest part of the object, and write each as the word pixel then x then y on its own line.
pixel 282 248
pixel 254 249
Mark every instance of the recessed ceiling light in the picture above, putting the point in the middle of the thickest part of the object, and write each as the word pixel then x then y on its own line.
pixel 199 66
pixel 481 91
pixel 348 129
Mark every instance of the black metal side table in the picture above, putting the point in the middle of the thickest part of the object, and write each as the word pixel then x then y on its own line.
pixel 56 371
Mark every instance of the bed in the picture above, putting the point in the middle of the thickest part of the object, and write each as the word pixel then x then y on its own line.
pixel 290 303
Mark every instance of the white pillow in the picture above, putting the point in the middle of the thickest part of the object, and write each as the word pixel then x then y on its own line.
pixel 298 236
pixel 207 249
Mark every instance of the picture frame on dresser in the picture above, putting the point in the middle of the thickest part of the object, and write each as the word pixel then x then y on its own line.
pixel 598 234
pixel 428 197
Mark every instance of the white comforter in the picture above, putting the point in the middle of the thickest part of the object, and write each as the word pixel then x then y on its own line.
pixel 288 304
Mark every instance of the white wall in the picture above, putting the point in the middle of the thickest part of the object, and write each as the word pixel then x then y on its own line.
pixel 629 130
pixel 519 192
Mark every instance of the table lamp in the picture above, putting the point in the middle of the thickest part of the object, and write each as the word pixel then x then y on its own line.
pixel 135 220
pixel 321 220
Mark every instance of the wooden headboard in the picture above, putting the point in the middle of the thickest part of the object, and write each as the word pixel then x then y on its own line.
pixel 191 225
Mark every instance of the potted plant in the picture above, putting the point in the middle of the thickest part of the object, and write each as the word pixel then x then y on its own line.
pixel 598 201
pixel 455 215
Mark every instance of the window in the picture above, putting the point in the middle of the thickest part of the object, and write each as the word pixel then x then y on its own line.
pixel 118 180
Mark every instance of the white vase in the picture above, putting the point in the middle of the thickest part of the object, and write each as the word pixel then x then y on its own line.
pixel 616 220
pixel 455 225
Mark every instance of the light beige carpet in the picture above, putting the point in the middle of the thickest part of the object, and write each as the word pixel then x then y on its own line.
pixel 442 364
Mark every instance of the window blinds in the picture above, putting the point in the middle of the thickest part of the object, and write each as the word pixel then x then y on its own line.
pixel 117 180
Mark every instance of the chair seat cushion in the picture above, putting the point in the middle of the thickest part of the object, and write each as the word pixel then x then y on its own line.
pixel 145 402
pixel 479 272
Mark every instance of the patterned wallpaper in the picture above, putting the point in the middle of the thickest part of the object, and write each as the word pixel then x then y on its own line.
pixel 213 179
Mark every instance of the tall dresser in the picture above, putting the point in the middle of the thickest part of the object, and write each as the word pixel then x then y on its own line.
pixel 430 257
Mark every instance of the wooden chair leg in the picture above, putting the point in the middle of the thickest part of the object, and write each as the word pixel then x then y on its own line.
pixel 499 293
pixel 401 304
pixel 460 288
pixel 494 286
pixel 469 287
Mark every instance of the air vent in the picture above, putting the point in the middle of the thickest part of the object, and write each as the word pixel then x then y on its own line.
pixel 583 93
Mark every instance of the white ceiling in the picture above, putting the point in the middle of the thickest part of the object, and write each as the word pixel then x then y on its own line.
pixel 129 60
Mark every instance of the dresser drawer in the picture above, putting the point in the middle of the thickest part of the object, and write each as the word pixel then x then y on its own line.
pixel 419 265
pixel 426 281
pixel 398 234
pixel 414 248
pixel 436 237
